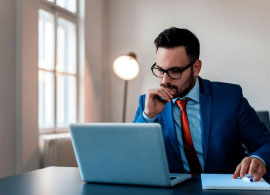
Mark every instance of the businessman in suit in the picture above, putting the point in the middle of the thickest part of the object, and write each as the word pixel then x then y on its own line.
pixel 204 123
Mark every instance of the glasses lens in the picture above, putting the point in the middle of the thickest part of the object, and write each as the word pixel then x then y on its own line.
pixel 175 74
pixel 157 72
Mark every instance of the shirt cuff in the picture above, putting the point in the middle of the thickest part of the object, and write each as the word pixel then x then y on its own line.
pixel 255 156
pixel 147 119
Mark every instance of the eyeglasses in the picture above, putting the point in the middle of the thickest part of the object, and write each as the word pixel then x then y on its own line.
pixel 173 73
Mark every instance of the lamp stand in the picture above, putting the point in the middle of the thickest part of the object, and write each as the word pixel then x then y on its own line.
pixel 125 102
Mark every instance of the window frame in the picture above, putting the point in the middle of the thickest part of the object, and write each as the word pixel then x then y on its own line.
pixel 60 12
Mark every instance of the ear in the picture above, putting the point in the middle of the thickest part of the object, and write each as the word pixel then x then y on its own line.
pixel 197 68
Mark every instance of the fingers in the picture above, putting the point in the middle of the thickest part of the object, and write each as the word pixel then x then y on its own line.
pixel 242 168
pixel 253 166
pixel 261 171
pixel 169 92
pixel 156 100
pixel 257 169
pixel 237 171
pixel 165 93
pixel 245 166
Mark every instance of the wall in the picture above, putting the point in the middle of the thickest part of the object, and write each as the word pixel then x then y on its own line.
pixel 18 85
pixel 94 55
pixel 234 36
pixel 27 151
pixel 7 88
pixel 235 47
pixel 19 80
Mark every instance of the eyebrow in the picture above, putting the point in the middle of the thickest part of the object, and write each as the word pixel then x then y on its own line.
pixel 175 67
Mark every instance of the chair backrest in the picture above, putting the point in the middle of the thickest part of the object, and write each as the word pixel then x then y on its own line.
pixel 264 117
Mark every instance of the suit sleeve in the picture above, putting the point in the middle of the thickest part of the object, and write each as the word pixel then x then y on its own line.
pixel 253 132
pixel 139 113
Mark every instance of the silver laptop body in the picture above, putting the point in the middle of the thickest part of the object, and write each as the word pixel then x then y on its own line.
pixel 122 153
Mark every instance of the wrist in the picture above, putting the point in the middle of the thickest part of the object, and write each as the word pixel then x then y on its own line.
pixel 149 114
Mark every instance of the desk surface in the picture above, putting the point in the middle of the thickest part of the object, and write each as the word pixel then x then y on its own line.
pixel 66 180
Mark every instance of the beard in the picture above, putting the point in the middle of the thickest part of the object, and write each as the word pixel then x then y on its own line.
pixel 190 84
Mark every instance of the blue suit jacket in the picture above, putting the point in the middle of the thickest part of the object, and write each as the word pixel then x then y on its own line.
pixel 227 121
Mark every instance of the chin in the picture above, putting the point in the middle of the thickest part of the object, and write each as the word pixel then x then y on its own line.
pixel 184 92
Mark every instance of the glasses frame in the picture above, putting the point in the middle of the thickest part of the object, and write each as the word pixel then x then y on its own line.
pixel 181 70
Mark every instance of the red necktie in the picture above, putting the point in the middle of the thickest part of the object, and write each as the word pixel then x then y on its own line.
pixel 190 152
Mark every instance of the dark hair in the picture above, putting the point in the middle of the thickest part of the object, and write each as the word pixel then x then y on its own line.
pixel 175 37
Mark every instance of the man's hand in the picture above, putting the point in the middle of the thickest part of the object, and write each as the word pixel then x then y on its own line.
pixel 153 104
pixel 251 165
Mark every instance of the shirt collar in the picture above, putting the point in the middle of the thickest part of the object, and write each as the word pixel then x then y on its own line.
pixel 194 93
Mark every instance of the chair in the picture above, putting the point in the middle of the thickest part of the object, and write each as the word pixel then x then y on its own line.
pixel 264 117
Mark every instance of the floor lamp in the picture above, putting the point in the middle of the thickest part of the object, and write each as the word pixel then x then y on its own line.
pixel 126 67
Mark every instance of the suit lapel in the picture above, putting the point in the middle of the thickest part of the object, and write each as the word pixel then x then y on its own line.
pixel 169 128
pixel 205 109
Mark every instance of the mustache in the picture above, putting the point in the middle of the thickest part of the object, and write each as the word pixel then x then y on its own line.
pixel 169 86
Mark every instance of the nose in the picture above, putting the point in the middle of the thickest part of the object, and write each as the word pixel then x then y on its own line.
pixel 166 79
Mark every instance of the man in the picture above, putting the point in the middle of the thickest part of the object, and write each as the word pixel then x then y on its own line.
pixel 204 123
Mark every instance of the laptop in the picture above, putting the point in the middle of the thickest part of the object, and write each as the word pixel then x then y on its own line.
pixel 122 153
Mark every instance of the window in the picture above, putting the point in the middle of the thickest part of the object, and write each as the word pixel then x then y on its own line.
pixel 58 65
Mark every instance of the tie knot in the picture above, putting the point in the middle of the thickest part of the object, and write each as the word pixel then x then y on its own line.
pixel 182 103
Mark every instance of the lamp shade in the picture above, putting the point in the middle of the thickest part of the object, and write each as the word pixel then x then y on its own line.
pixel 126 66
